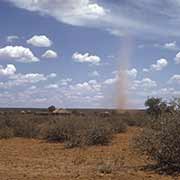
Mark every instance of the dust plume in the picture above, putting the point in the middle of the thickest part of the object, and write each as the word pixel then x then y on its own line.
pixel 122 77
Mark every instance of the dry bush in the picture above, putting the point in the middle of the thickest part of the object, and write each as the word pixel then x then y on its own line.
pixel 74 130
pixel 160 141
pixel 6 133
pixel 118 125
pixel 77 131
pixel 20 125
pixel 137 119
pixel 99 132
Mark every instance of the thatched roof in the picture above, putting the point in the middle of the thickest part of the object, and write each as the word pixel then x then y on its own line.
pixel 61 111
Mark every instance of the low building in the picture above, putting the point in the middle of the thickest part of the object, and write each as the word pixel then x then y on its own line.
pixel 62 112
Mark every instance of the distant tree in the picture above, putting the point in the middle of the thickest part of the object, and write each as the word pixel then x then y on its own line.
pixel 155 106
pixel 175 104
pixel 51 108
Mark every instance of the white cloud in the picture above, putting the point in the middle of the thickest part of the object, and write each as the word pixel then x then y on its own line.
pixel 39 41
pixel 32 88
pixel 52 75
pixel 69 11
pixel 110 81
pixel 86 58
pixel 86 87
pixel 12 38
pixel 171 45
pixel 119 15
pixel 50 54
pixel 18 53
pixel 64 82
pixel 145 70
pixel 95 73
pixel 145 84
pixel 24 79
pixel 52 86
pixel 175 78
pixel 28 78
pixel 132 74
pixel 160 64
pixel 177 58
pixel 8 71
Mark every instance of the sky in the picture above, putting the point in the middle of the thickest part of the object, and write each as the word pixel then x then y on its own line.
pixel 68 53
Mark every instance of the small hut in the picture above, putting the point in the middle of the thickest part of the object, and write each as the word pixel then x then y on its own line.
pixel 23 112
pixel 105 114
pixel 62 112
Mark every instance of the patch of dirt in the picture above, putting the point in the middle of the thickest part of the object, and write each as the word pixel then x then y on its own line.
pixel 29 159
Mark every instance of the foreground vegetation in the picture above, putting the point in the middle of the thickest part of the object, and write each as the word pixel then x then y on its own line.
pixel 158 137
pixel 74 130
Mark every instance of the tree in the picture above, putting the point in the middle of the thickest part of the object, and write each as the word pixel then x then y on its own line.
pixel 51 108
pixel 154 106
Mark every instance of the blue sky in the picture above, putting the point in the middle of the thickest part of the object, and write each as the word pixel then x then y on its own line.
pixel 70 52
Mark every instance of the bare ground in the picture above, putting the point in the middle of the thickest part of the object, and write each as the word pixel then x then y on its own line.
pixel 29 159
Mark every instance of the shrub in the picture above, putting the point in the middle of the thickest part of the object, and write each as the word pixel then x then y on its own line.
pixel 105 168
pixel 6 133
pixel 57 130
pixel 76 132
pixel 98 133
pixel 24 128
pixel 160 140
pixel 118 125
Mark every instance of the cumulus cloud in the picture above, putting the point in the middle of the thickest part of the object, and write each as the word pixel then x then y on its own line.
pixel 132 74
pixel 52 86
pixel 28 78
pixel 12 38
pixel 145 84
pixel 52 75
pixel 50 54
pixel 24 79
pixel 160 64
pixel 8 71
pixel 145 70
pixel 64 82
pixel 18 53
pixel 175 78
pixel 170 46
pixel 86 58
pixel 110 81
pixel 39 41
pixel 177 58
pixel 86 87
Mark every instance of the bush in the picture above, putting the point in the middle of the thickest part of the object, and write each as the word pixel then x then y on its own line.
pixel 6 133
pixel 98 133
pixel 76 132
pixel 160 140
pixel 118 125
